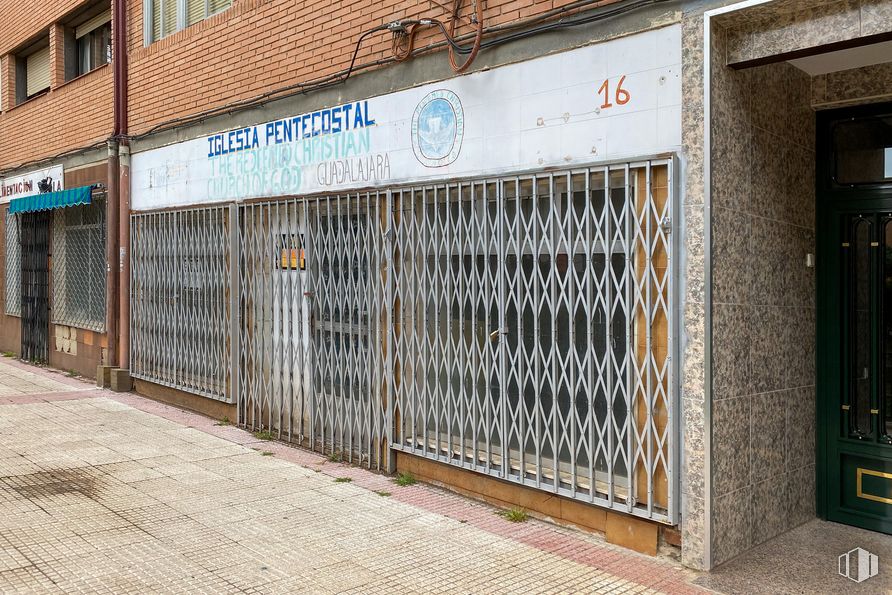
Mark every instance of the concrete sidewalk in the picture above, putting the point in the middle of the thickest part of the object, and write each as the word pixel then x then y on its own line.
pixel 111 493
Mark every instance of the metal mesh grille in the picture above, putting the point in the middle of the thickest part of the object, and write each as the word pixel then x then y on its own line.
pixel 79 266
pixel 179 300
pixel 532 331
pixel 516 326
pixel 311 343
pixel 13 273
pixel 521 327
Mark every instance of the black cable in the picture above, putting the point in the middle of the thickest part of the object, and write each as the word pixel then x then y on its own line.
pixel 561 24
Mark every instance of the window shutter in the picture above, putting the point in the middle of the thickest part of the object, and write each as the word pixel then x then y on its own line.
pixel 169 15
pixel 215 6
pixel 195 11
pixel 164 18
pixel 38 71
pixel 156 20
pixel 92 24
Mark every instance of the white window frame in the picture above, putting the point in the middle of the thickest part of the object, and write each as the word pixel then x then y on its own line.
pixel 182 16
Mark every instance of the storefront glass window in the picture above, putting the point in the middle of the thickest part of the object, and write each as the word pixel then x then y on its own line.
pixel 860 328
pixel 862 149
pixel 79 266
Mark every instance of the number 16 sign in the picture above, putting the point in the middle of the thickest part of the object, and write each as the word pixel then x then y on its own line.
pixel 620 95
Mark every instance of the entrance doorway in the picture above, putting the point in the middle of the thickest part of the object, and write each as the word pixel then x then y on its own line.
pixel 34 234
pixel 855 316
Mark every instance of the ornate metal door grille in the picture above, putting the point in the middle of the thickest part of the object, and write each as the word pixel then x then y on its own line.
pixel 34 235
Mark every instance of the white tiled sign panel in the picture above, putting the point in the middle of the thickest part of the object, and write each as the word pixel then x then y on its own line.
pixel 546 112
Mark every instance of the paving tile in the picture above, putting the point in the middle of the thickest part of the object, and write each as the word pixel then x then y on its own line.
pixel 111 493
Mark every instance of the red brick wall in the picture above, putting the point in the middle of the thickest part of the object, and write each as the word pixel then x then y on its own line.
pixel 24 21
pixel 253 47
pixel 259 45
pixel 71 115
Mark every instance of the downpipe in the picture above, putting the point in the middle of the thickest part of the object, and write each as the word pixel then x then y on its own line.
pixel 111 255
pixel 119 196
pixel 124 256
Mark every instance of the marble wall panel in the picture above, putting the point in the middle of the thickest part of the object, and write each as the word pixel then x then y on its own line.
pixel 774 30
pixel 854 86
pixel 731 445
pixel 763 297
pixel 762 166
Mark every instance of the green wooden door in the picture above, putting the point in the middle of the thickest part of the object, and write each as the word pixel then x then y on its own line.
pixel 860 419
pixel 855 317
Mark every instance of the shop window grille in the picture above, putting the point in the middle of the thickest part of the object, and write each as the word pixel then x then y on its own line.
pixel 180 300
pixel 531 319
pixel 313 321
pixel 517 326
pixel 13 272
pixel 79 271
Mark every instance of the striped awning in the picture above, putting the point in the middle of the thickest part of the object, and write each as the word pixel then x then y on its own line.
pixel 52 200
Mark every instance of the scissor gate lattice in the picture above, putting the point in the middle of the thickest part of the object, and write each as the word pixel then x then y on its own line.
pixel 516 326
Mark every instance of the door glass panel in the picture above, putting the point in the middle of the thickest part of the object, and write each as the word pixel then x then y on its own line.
pixel 862 150
pixel 887 330
pixel 860 328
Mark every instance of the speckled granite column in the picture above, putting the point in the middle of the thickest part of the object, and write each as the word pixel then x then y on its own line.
pixel 694 519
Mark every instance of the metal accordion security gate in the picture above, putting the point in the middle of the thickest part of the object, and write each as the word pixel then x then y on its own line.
pixel 532 335
pixel 517 326
pixel 180 300
pixel 312 362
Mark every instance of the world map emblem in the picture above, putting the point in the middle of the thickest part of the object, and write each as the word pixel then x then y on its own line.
pixel 438 127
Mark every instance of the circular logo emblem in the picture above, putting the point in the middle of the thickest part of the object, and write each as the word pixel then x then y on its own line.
pixel 438 126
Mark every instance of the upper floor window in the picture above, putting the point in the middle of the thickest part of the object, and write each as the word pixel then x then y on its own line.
pixel 33 71
pixel 164 17
pixel 93 38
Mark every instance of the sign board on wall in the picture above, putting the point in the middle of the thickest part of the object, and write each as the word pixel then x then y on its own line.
pixel 49 179
pixel 617 99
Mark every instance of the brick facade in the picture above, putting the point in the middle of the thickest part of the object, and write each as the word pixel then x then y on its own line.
pixel 253 47
pixel 73 114
pixel 259 45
